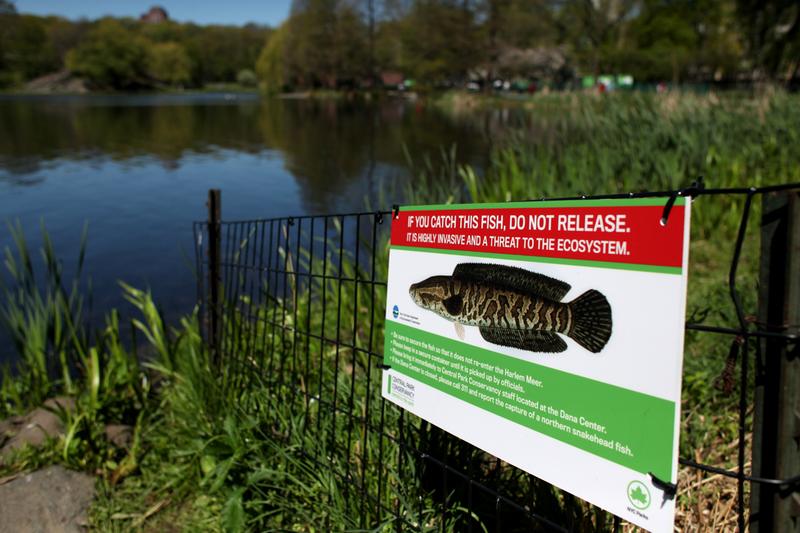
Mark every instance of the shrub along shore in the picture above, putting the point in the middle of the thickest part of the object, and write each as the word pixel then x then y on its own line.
pixel 198 460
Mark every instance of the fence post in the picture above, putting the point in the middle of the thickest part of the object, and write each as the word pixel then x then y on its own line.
pixel 214 278
pixel 776 419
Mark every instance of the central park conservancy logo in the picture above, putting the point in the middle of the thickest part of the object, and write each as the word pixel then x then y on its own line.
pixel 401 389
pixel 395 311
pixel 638 495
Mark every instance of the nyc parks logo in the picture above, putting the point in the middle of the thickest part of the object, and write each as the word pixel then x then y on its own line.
pixel 638 495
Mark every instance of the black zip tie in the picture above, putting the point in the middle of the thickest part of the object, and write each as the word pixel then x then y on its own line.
pixel 384 367
pixel 395 211
pixel 290 220
pixel 692 190
pixel 669 489
pixel 668 208
pixel 379 217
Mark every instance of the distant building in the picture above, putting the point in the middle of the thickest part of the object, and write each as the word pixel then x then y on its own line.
pixel 391 79
pixel 154 15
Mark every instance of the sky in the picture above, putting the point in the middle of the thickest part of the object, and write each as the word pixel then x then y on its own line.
pixel 238 12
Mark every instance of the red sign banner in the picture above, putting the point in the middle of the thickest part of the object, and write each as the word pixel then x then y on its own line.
pixel 583 231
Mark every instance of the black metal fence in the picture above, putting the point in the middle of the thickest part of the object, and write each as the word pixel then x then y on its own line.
pixel 294 310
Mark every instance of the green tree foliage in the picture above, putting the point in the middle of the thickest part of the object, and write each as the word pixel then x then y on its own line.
pixel 64 35
pixel 25 51
pixel 218 53
pixel 772 33
pixel 596 29
pixel 678 40
pixel 446 42
pixel 111 57
pixel 124 53
pixel 347 43
pixel 271 67
pixel 169 63
pixel 441 40
pixel 310 47
pixel 326 44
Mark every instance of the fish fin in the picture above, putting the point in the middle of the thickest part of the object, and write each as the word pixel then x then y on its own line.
pixel 453 304
pixel 524 339
pixel 459 330
pixel 513 278
pixel 591 323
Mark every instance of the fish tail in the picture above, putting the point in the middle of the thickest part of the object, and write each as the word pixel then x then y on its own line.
pixel 591 326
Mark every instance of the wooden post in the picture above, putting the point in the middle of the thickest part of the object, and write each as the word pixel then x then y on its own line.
pixel 214 273
pixel 776 420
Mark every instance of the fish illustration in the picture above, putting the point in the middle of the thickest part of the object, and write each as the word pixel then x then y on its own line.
pixel 517 308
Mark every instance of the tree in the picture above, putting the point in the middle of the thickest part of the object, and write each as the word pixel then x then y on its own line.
pixel 7 12
pixel 311 41
pixel 64 35
pixel 111 57
pixel 25 51
pixel 351 52
pixel 440 41
pixel 218 53
pixel 665 45
pixel 679 40
pixel 326 44
pixel 595 28
pixel 271 66
pixel 169 63
pixel 772 33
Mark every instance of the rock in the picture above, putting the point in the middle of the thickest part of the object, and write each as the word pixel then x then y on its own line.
pixel 34 428
pixel 58 82
pixel 61 402
pixel 53 500
pixel 120 435
pixel 9 428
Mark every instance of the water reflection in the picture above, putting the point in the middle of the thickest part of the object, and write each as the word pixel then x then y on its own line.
pixel 328 147
pixel 137 168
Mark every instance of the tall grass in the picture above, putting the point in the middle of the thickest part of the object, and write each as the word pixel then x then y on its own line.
pixel 43 312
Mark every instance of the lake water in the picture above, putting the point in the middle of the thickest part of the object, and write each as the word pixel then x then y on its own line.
pixel 137 169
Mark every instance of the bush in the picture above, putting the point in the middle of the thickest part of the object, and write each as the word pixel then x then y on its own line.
pixel 246 78
pixel 169 63
pixel 112 57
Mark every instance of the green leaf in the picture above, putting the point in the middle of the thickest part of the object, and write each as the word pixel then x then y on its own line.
pixel 233 512
pixel 207 464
